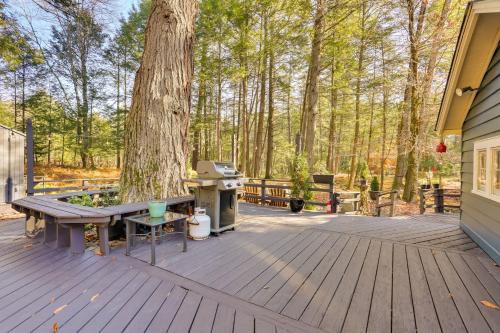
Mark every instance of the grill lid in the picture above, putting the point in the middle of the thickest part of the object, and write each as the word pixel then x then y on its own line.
pixel 217 170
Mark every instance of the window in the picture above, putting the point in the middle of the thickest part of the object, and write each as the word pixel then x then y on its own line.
pixel 481 170
pixel 496 171
pixel 486 178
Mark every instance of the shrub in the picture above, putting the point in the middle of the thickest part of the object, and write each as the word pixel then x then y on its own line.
pixel 84 200
pixel 374 185
pixel 301 188
pixel 362 169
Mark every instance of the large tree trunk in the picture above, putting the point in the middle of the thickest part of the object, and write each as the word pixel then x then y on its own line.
pixel 330 160
pixel 218 133
pixel 354 151
pixel 415 35
pixel 157 124
pixel 311 110
pixel 259 130
pixel 270 117
pixel 202 89
pixel 385 97
pixel 118 125
pixel 402 140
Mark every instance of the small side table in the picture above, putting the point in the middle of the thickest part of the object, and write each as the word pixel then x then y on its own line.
pixel 155 223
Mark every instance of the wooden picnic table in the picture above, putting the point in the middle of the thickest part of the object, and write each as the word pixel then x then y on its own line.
pixel 64 222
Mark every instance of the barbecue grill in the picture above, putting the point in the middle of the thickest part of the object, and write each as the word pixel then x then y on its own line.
pixel 216 188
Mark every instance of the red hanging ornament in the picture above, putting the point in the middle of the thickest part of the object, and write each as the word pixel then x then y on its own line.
pixel 441 147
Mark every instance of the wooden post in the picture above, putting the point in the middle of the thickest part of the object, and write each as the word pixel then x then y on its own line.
pixel 103 232
pixel 335 202
pixel 77 238
pixel 50 233
pixel 378 209
pixel 439 200
pixel 332 198
pixel 421 194
pixel 30 157
pixel 393 203
pixel 63 237
pixel 263 192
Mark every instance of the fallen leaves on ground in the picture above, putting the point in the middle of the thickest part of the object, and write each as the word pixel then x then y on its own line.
pixel 55 327
pixel 490 305
pixel 93 298
pixel 28 246
pixel 59 309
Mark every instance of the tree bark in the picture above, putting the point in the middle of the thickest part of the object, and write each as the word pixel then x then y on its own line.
pixel 197 118
pixel 370 127
pixel 311 111
pixel 259 133
pixel 158 121
pixel 415 36
pixel 270 116
pixel 385 97
pixel 354 151
pixel 118 125
pixel 218 134
pixel 330 160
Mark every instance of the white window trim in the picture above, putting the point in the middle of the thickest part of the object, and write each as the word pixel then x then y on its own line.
pixel 489 145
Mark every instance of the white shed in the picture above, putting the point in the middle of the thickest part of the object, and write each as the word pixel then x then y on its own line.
pixel 12 185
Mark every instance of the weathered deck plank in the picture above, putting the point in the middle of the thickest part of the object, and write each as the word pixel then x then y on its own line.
pixel 265 277
pixel 381 307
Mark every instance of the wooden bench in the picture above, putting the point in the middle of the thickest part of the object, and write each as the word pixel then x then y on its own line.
pixel 276 195
pixel 350 197
pixel 391 203
pixel 252 194
pixel 64 222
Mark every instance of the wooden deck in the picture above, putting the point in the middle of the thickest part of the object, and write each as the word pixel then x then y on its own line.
pixel 277 273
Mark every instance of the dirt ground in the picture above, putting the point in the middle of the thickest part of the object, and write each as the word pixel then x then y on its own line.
pixel 7 213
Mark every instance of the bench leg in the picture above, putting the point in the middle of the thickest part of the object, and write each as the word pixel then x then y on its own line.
pixel 104 240
pixel 28 216
pixel 63 237
pixel 77 236
pixel 50 233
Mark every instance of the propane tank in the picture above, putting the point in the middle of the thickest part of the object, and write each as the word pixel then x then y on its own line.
pixel 199 226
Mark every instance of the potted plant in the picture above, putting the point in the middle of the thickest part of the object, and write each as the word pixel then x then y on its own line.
pixel 374 188
pixel 301 188
pixel 157 208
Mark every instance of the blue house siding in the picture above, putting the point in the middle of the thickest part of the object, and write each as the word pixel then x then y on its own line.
pixel 480 217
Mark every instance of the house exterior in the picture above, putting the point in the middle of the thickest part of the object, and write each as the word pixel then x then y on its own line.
pixel 11 164
pixel 471 108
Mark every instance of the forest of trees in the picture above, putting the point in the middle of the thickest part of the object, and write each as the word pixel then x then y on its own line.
pixel 355 85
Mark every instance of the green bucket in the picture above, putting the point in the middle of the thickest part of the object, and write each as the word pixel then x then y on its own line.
pixel 157 208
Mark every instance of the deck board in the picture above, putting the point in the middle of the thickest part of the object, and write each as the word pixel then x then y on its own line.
pixel 381 306
pixel 311 274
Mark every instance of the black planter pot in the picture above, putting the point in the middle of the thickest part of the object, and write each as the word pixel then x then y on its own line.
pixel 296 205
pixel 373 194
pixel 425 186
pixel 435 186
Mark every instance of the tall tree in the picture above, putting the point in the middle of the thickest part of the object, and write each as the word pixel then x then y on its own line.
pixel 415 27
pixel 357 111
pixel 158 121
pixel 311 111
pixel 270 116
